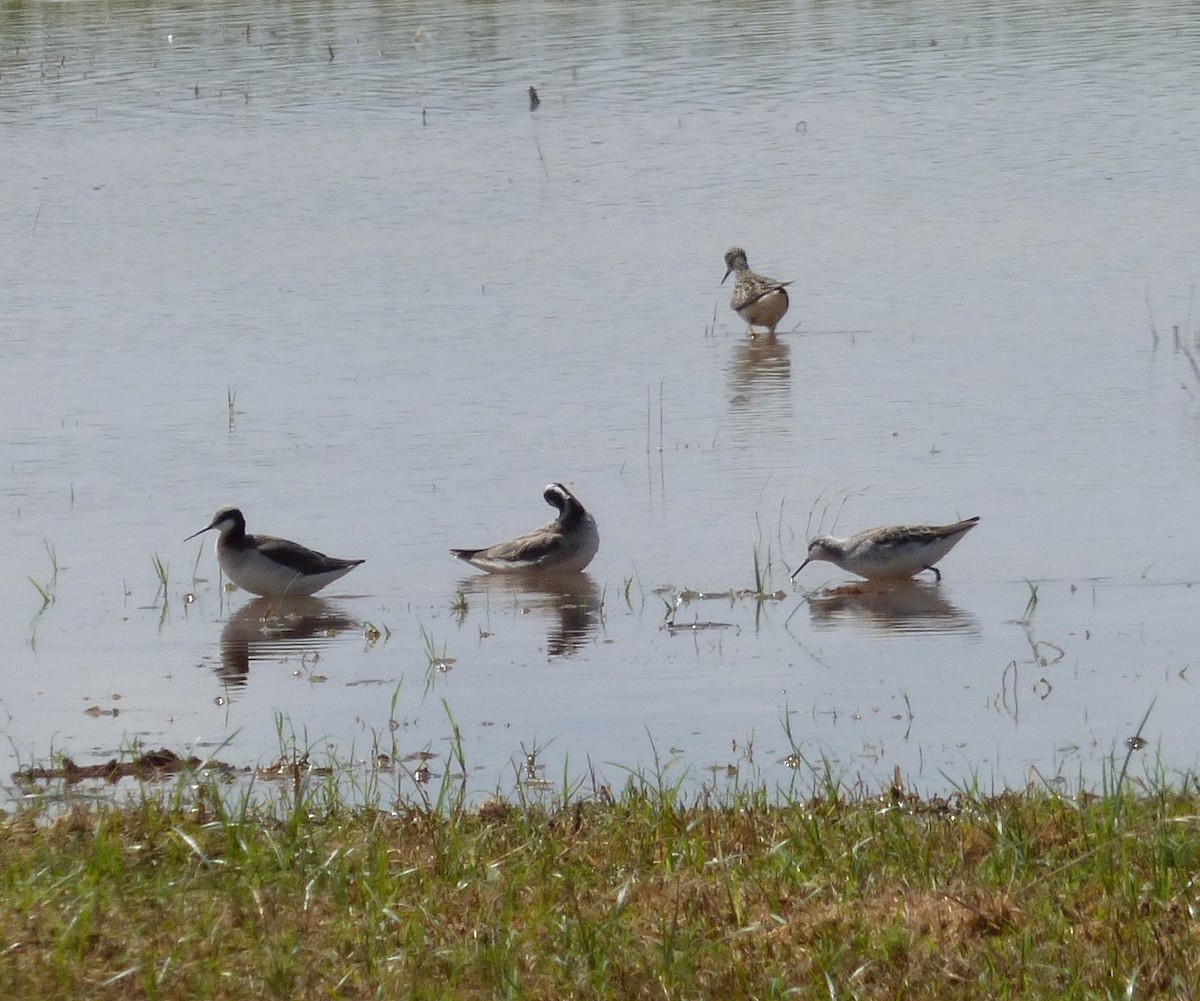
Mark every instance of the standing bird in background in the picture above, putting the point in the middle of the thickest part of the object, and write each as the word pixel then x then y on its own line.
pixel 758 300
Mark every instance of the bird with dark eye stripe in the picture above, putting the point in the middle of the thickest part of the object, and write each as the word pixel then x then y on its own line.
pixel 564 545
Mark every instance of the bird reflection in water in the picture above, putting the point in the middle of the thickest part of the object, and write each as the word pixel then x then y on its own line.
pixel 570 601
pixel 903 606
pixel 760 371
pixel 276 630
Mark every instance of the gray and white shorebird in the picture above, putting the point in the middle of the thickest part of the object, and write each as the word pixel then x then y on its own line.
pixel 564 545
pixel 758 300
pixel 267 566
pixel 891 552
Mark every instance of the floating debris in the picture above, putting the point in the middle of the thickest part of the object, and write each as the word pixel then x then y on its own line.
pixel 94 710
pixel 674 628
pixel 151 765
pixel 290 767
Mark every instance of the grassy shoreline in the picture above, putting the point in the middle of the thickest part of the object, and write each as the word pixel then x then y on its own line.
pixel 642 894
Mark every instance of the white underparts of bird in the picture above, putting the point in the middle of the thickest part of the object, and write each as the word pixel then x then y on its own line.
pixel 564 545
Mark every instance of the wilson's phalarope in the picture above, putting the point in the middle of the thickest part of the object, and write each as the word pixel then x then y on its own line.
pixel 565 545
pixel 758 300
pixel 890 552
pixel 270 567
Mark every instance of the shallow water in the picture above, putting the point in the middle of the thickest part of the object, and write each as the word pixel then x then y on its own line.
pixel 325 264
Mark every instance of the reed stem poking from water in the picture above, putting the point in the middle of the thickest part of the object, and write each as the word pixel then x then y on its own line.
pixel 161 571
pixel 48 591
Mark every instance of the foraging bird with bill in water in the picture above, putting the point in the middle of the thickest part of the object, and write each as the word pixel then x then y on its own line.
pixel 890 552
pixel 267 566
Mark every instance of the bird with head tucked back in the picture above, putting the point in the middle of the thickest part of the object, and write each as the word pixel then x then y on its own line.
pixel 564 545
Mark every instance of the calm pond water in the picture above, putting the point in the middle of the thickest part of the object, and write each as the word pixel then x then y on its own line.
pixel 322 261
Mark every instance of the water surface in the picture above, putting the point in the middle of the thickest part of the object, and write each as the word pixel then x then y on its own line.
pixel 325 264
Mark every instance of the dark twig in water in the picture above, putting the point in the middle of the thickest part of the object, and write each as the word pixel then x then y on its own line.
pixel 695 627
pixel 1153 325
pixel 1192 361
pixel 545 169
pixel 1187 325
pixel 1134 743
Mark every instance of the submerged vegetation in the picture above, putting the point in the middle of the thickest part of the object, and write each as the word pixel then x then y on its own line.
pixel 644 893
pixel 48 590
